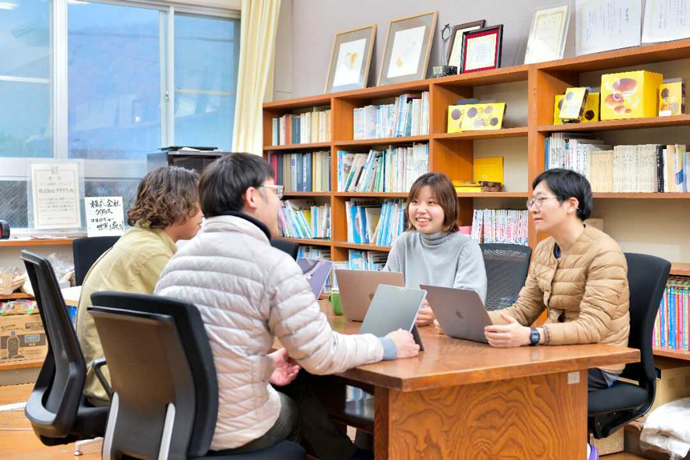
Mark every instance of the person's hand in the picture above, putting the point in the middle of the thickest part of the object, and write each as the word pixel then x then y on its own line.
pixel 404 344
pixel 512 334
pixel 426 315
pixel 285 371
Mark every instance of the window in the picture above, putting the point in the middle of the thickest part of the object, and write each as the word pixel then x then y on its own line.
pixel 109 82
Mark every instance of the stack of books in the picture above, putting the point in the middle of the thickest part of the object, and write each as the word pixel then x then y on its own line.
pixel 390 170
pixel 366 260
pixel 304 219
pixel 302 172
pixel 314 252
pixel 672 326
pixel 408 116
pixel 302 128
pixel 647 168
pixel 502 226
pixel 370 222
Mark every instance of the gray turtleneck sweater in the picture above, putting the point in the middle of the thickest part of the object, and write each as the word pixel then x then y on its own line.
pixel 440 259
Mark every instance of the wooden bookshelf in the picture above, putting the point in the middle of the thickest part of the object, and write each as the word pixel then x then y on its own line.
pixel 614 125
pixel 479 135
pixel 16 296
pixel 678 269
pixel 307 241
pixel 27 242
pixel 289 147
pixel 381 141
pixel 306 194
pixel 363 247
pixel 390 195
pixel 670 353
pixel 493 195
pixel 641 195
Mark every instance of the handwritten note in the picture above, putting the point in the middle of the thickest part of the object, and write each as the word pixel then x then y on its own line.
pixel 55 195
pixel 104 216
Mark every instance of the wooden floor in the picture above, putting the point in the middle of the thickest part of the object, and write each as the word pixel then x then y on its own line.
pixel 18 442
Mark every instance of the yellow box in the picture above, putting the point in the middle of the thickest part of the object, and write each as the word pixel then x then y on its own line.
pixel 455 116
pixel 488 169
pixel 671 99
pixel 483 117
pixel 630 95
pixel 573 104
pixel 590 114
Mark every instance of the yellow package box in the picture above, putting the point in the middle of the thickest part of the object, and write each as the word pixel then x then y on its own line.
pixel 573 105
pixel 630 95
pixel 481 117
pixel 589 115
pixel 671 99
pixel 22 338
pixel 455 115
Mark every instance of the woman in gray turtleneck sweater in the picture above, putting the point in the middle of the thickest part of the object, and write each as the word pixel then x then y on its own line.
pixel 432 250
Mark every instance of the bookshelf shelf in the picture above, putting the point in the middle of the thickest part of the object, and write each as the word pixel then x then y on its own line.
pixel 646 196
pixel 479 135
pixel 371 195
pixel 486 77
pixel 305 241
pixel 494 195
pixel 16 296
pixel 671 353
pixel 26 242
pixel 363 247
pixel 381 141
pixel 281 148
pixel 300 103
pixel 305 194
pixel 679 269
pixel 381 92
pixel 612 125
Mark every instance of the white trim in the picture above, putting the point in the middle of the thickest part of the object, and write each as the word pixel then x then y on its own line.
pixel 106 451
pixel 17 169
pixel 162 21
pixel 207 92
pixel 60 110
pixel 24 79
pixel 170 90
pixel 166 438
pixel 222 8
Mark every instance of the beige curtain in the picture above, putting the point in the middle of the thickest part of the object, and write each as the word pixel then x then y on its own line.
pixel 257 46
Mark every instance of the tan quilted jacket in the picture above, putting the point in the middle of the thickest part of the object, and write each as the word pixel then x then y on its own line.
pixel 585 292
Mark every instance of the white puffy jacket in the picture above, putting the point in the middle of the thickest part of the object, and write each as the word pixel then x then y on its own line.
pixel 249 292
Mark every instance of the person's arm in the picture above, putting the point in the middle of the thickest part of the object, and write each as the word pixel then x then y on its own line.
pixel 296 319
pixel 605 286
pixel 471 273
pixel 146 274
pixel 529 305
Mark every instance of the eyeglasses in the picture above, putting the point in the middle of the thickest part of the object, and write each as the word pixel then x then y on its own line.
pixel 279 189
pixel 538 201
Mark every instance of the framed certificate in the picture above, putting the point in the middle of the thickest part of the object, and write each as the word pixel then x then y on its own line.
pixel 454 52
pixel 666 20
pixel 548 34
pixel 604 25
pixel 482 49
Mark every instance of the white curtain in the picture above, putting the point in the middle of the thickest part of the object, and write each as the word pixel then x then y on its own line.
pixel 257 46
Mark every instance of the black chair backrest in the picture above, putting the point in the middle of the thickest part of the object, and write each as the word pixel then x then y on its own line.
pixel 86 252
pixel 53 404
pixel 157 353
pixel 647 277
pixel 506 270
pixel 286 246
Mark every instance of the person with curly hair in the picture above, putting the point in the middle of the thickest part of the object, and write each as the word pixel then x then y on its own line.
pixel 166 210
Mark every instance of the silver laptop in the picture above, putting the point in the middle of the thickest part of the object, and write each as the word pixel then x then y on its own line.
pixel 460 312
pixel 393 308
pixel 357 288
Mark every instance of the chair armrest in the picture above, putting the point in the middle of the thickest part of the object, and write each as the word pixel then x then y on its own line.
pixel 97 364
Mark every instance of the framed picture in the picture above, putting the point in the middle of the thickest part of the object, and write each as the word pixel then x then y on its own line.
pixel 408 45
pixel 454 51
pixel 604 25
pixel 547 35
pixel 350 59
pixel 481 49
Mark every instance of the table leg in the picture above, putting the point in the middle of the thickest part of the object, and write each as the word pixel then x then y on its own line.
pixel 542 417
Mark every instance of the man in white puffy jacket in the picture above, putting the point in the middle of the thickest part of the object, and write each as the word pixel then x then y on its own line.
pixel 248 293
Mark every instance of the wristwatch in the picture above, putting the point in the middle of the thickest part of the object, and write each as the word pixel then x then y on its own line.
pixel 534 336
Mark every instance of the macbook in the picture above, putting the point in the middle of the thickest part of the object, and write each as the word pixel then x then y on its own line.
pixel 357 288
pixel 393 308
pixel 460 312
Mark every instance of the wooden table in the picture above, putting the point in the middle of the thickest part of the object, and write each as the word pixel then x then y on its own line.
pixel 466 400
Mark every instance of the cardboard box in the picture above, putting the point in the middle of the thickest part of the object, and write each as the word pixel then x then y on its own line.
pixel 630 95
pixel 22 338
pixel 671 99
pixel 591 110
pixel 674 383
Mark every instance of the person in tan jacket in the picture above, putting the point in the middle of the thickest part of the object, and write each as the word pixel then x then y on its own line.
pixel 166 210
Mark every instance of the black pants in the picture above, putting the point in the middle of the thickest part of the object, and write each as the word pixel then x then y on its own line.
pixel 302 415
pixel 596 380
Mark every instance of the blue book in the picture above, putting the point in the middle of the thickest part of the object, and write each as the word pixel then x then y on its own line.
pixel 307 186
pixel 672 316
pixel 300 176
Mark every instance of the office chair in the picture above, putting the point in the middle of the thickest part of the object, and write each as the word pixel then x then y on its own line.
pixel 58 412
pixel 86 252
pixel 506 271
pixel 165 391
pixel 612 408
pixel 286 246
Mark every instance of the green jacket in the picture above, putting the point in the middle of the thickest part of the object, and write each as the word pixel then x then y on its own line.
pixel 134 264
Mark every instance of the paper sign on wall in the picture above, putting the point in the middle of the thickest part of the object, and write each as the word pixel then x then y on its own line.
pixel 104 216
pixel 55 194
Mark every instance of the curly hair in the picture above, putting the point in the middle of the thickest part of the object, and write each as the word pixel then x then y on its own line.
pixel 165 196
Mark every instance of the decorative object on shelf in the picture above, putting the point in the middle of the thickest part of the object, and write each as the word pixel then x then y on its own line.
pixel 488 171
pixel 672 98
pixel 483 117
pixel 589 115
pixel 490 186
pixel 455 44
pixel 573 104
pixel 630 95
pixel 604 25
pixel 408 45
pixel 439 71
pixel 4 230
pixel 466 187
pixel 666 20
pixel 456 113
pixel 481 49
pixel 548 34
pixel 350 59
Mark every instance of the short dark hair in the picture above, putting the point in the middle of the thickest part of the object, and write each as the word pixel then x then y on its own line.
pixel 225 180
pixel 166 195
pixel 443 190
pixel 566 184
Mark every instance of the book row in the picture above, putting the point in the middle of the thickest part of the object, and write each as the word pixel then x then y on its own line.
pixel 304 219
pixel 302 128
pixel 672 326
pixel 371 222
pixel 503 226
pixel 302 172
pixel 407 116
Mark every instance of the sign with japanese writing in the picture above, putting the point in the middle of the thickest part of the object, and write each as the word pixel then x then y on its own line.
pixel 55 194
pixel 104 216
